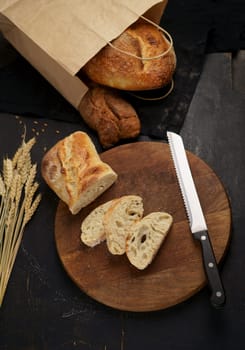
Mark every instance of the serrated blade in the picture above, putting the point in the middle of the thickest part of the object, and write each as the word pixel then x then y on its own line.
pixel 196 218
pixel 186 183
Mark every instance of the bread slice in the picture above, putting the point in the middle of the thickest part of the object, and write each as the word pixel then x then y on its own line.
pixel 74 171
pixel 124 212
pixel 92 228
pixel 145 238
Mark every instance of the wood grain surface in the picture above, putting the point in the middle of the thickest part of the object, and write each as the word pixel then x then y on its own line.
pixel 176 274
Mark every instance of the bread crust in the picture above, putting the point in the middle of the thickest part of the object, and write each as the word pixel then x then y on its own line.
pixel 74 171
pixel 109 115
pixel 116 69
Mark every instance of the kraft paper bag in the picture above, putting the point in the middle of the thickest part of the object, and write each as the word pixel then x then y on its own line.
pixel 59 37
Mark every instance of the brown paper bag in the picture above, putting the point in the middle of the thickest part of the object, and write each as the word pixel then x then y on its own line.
pixel 59 37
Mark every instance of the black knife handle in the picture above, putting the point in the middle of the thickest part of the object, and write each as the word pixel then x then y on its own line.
pixel 211 269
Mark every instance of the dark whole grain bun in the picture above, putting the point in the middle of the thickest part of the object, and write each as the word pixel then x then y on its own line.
pixel 112 117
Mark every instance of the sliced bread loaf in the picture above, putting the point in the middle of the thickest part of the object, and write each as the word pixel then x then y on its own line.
pixel 145 237
pixel 73 169
pixel 123 212
pixel 92 228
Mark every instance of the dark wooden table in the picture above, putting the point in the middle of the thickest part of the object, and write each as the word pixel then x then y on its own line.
pixel 43 309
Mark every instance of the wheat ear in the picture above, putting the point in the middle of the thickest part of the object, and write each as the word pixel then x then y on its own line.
pixel 18 204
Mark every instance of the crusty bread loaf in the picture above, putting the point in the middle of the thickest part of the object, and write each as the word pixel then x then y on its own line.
pixel 92 228
pixel 123 213
pixel 74 171
pixel 109 115
pixel 145 237
pixel 111 67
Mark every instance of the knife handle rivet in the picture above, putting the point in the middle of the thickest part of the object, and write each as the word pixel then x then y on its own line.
pixel 219 294
pixel 203 237
pixel 210 265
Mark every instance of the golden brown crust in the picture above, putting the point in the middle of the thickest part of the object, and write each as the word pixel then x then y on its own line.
pixel 111 116
pixel 118 70
pixel 74 171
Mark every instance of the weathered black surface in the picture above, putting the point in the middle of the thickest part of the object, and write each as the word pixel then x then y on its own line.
pixel 43 309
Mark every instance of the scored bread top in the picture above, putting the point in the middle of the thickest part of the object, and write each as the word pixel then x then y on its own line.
pixel 74 171
pixel 111 67
pixel 105 111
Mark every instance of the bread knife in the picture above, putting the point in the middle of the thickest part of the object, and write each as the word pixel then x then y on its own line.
pixel 196 217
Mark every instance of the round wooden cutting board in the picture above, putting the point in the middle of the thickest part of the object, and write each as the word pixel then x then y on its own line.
pixel 176 273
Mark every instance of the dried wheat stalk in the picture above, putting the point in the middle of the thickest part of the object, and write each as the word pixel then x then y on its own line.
pixel 18 203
